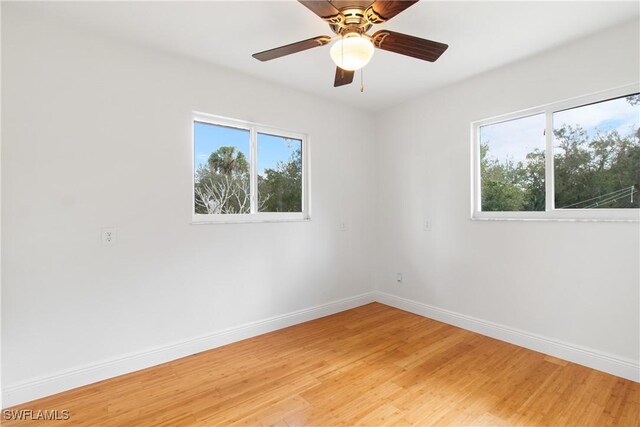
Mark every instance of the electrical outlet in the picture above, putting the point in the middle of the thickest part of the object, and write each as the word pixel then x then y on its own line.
pixel 399 277
pixel 427 224
pixel 343 226
pixel 109 236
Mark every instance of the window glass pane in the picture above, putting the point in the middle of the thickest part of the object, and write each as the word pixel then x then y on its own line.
pixel 221 158
pixel 597 155
pixel 279 174
pixel 512 165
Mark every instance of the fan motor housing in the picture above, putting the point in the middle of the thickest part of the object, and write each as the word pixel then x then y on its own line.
pixel 354 20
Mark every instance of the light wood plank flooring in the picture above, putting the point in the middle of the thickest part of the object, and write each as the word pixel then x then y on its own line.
pixel 373 365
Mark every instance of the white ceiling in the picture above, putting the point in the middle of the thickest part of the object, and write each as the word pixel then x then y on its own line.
pixel 481 35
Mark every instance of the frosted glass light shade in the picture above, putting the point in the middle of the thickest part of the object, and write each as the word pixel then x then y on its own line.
pixel 352 52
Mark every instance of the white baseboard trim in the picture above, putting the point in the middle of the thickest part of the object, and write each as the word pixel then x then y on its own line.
pixel 621 367
pixel 65 380
pixel 61 381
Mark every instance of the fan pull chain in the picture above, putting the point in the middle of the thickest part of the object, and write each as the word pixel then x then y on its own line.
pixel 361 79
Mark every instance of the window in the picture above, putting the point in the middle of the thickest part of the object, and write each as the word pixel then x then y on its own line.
pixel 596 155
pixel 512 165
pixel 245 172
pixel 576 159
pixel 279 173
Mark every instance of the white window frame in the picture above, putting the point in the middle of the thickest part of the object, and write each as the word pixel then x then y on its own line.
pixel 254 216
pixel 550 213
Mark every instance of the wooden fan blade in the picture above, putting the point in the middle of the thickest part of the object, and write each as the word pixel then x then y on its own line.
pixel 343 77
pixel 404 44
pixel 270 54
pixel 323 8
pixel 350 4
pixel 387 9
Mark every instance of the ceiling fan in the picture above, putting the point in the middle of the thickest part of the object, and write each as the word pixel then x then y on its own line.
pixel 353 48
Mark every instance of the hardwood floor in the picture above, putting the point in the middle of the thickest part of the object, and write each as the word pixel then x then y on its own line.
pixel 373 365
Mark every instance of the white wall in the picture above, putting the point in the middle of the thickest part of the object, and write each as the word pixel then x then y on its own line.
pixel 97 133
pixel 575 283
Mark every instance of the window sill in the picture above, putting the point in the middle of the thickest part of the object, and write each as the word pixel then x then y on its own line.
pixel 252 220
pixel 629 217
pixel 557 220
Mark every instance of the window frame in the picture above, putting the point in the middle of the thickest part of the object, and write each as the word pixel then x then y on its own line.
pixel 254 216
pixel 550 213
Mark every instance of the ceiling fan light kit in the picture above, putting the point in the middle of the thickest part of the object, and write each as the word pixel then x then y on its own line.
pixel 353 48
pixel 352 51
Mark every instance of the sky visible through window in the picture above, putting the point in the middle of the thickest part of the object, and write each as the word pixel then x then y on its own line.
pixel 617 114
pixel 516 138
pixel 271 149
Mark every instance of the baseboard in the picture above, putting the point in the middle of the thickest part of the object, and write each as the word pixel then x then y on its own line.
pixel 72 378
pixel 614 365
pixel 61 381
